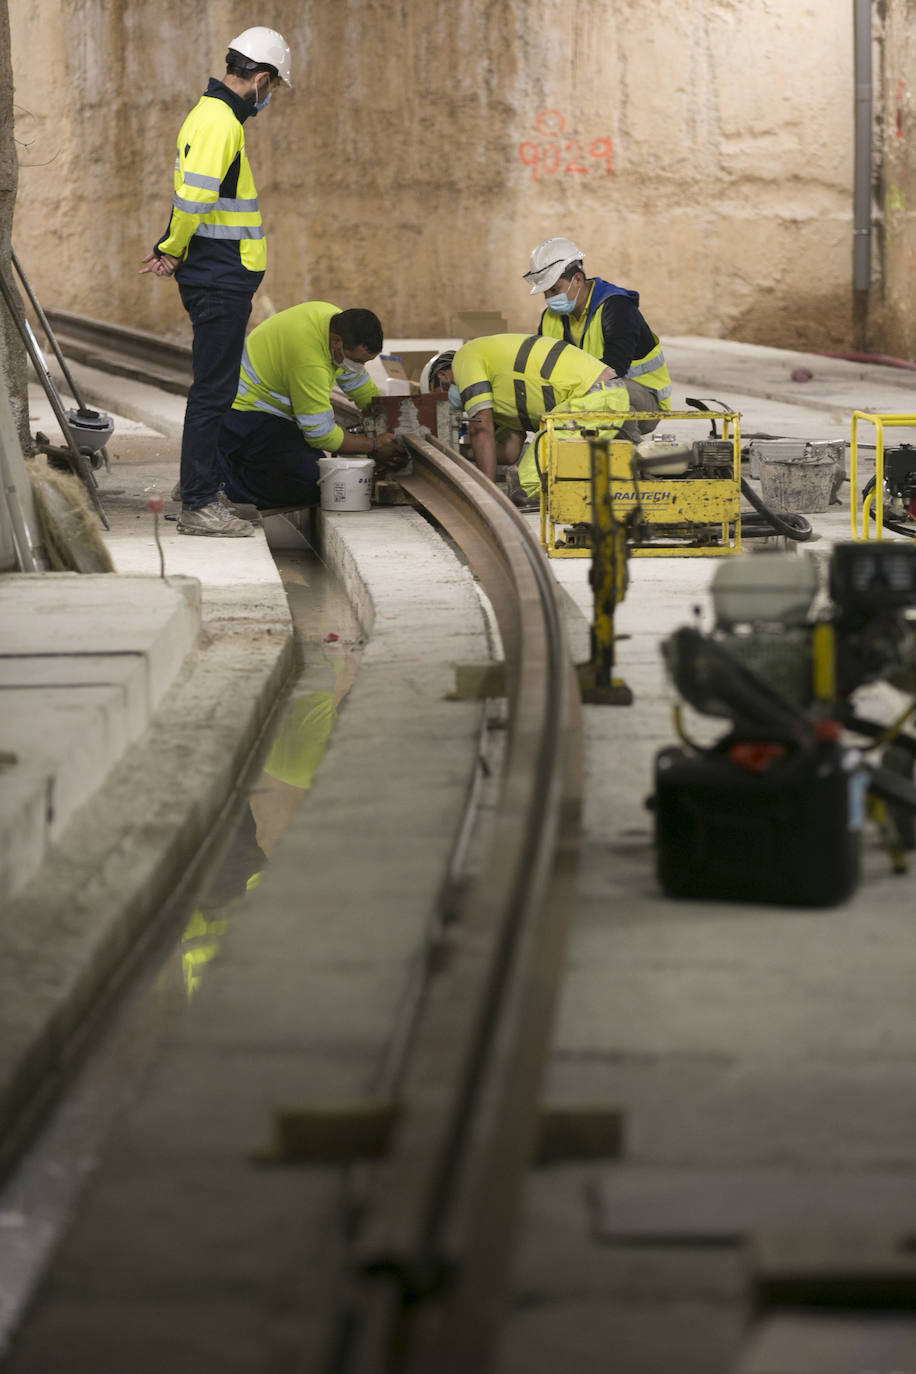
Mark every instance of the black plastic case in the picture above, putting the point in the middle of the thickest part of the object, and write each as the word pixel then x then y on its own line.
pixel 788 834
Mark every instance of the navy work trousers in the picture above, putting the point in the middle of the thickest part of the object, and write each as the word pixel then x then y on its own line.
pixel 218 319
pixel 264 461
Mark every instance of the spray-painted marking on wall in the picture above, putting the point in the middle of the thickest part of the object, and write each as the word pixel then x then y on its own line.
pixel 563 154
pixel 895 198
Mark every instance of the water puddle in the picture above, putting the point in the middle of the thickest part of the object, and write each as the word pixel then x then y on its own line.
pixel 329 646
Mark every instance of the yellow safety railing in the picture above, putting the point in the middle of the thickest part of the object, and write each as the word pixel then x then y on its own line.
pixel 875 497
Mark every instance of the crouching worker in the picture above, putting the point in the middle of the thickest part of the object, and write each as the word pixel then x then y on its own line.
pixel 282 419
pixel 508 381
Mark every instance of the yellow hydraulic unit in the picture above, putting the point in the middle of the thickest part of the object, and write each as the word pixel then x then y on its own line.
pixel 691 512
pixel 876 496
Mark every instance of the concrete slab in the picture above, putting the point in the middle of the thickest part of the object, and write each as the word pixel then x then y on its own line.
pixel 61 673
pixel 84 664
pixel 70 743
pixel 77 614
pixel 821 1343
pixel 723 1206
pixel 25 810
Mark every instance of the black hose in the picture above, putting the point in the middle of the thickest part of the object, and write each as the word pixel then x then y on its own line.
pixel 534 453
pixel 792 526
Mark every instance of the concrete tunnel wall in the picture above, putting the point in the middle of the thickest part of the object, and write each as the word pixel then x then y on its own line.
pixel 699 150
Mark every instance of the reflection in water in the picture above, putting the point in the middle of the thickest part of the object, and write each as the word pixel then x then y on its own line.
pixel 295 754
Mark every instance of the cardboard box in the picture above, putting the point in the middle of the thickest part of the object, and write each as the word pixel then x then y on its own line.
pixel 473 324
pixel 390 376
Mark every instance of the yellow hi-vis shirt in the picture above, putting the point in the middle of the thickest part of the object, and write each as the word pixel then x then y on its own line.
pixel 211 152
pixel 521 377
pixel 287 370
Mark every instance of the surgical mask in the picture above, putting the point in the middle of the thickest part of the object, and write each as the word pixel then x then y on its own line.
pixel 454 397
pixel 260 104
pixel 561 305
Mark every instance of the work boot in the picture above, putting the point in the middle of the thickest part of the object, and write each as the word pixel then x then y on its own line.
pixel 243 511
pixel 525 503
pixel 250 513
pixel 213 519
pixel 510 478
pixel 517 494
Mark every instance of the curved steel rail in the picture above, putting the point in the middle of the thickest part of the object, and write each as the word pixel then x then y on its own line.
pixel 431 1262
pixel 428 1269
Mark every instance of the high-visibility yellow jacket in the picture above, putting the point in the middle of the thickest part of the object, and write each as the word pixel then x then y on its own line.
pixel 215 227
pixel 521 377
pixel 287 370
pixel 611 327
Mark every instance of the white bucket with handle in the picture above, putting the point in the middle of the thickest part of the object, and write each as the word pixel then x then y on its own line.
pixel 346 483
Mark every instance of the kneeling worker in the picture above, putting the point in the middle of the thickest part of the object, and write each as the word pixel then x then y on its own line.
pixel 509 381
pixel 282 419
pixel 604 320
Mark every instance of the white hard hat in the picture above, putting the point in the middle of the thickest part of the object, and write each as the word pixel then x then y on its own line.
pixel 548 262
pixel 264 48
pixel 436 363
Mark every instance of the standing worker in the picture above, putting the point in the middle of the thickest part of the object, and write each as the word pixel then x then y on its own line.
pixel 508 381
pixel 604 320
pixel 282 419
pixel 215 248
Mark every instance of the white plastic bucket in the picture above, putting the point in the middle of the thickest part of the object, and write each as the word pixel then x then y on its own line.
pixel 346 483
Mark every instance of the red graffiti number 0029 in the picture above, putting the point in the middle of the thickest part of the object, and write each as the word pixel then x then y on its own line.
pixel 562 155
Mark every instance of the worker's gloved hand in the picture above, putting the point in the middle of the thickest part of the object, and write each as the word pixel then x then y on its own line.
pixel 389 446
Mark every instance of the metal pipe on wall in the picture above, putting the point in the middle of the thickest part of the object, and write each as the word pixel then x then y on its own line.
pixel 861 241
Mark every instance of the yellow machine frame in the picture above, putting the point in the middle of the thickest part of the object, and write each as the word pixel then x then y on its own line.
pixel 875 497
pixel 609 546
pixel 565 460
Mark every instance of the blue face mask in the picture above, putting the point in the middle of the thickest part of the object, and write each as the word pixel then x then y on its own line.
pixel 260 104
pixel 561 304
pixel 454 397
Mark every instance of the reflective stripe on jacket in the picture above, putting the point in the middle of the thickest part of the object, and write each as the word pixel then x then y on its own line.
pixel 650 369
pixel 215 227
